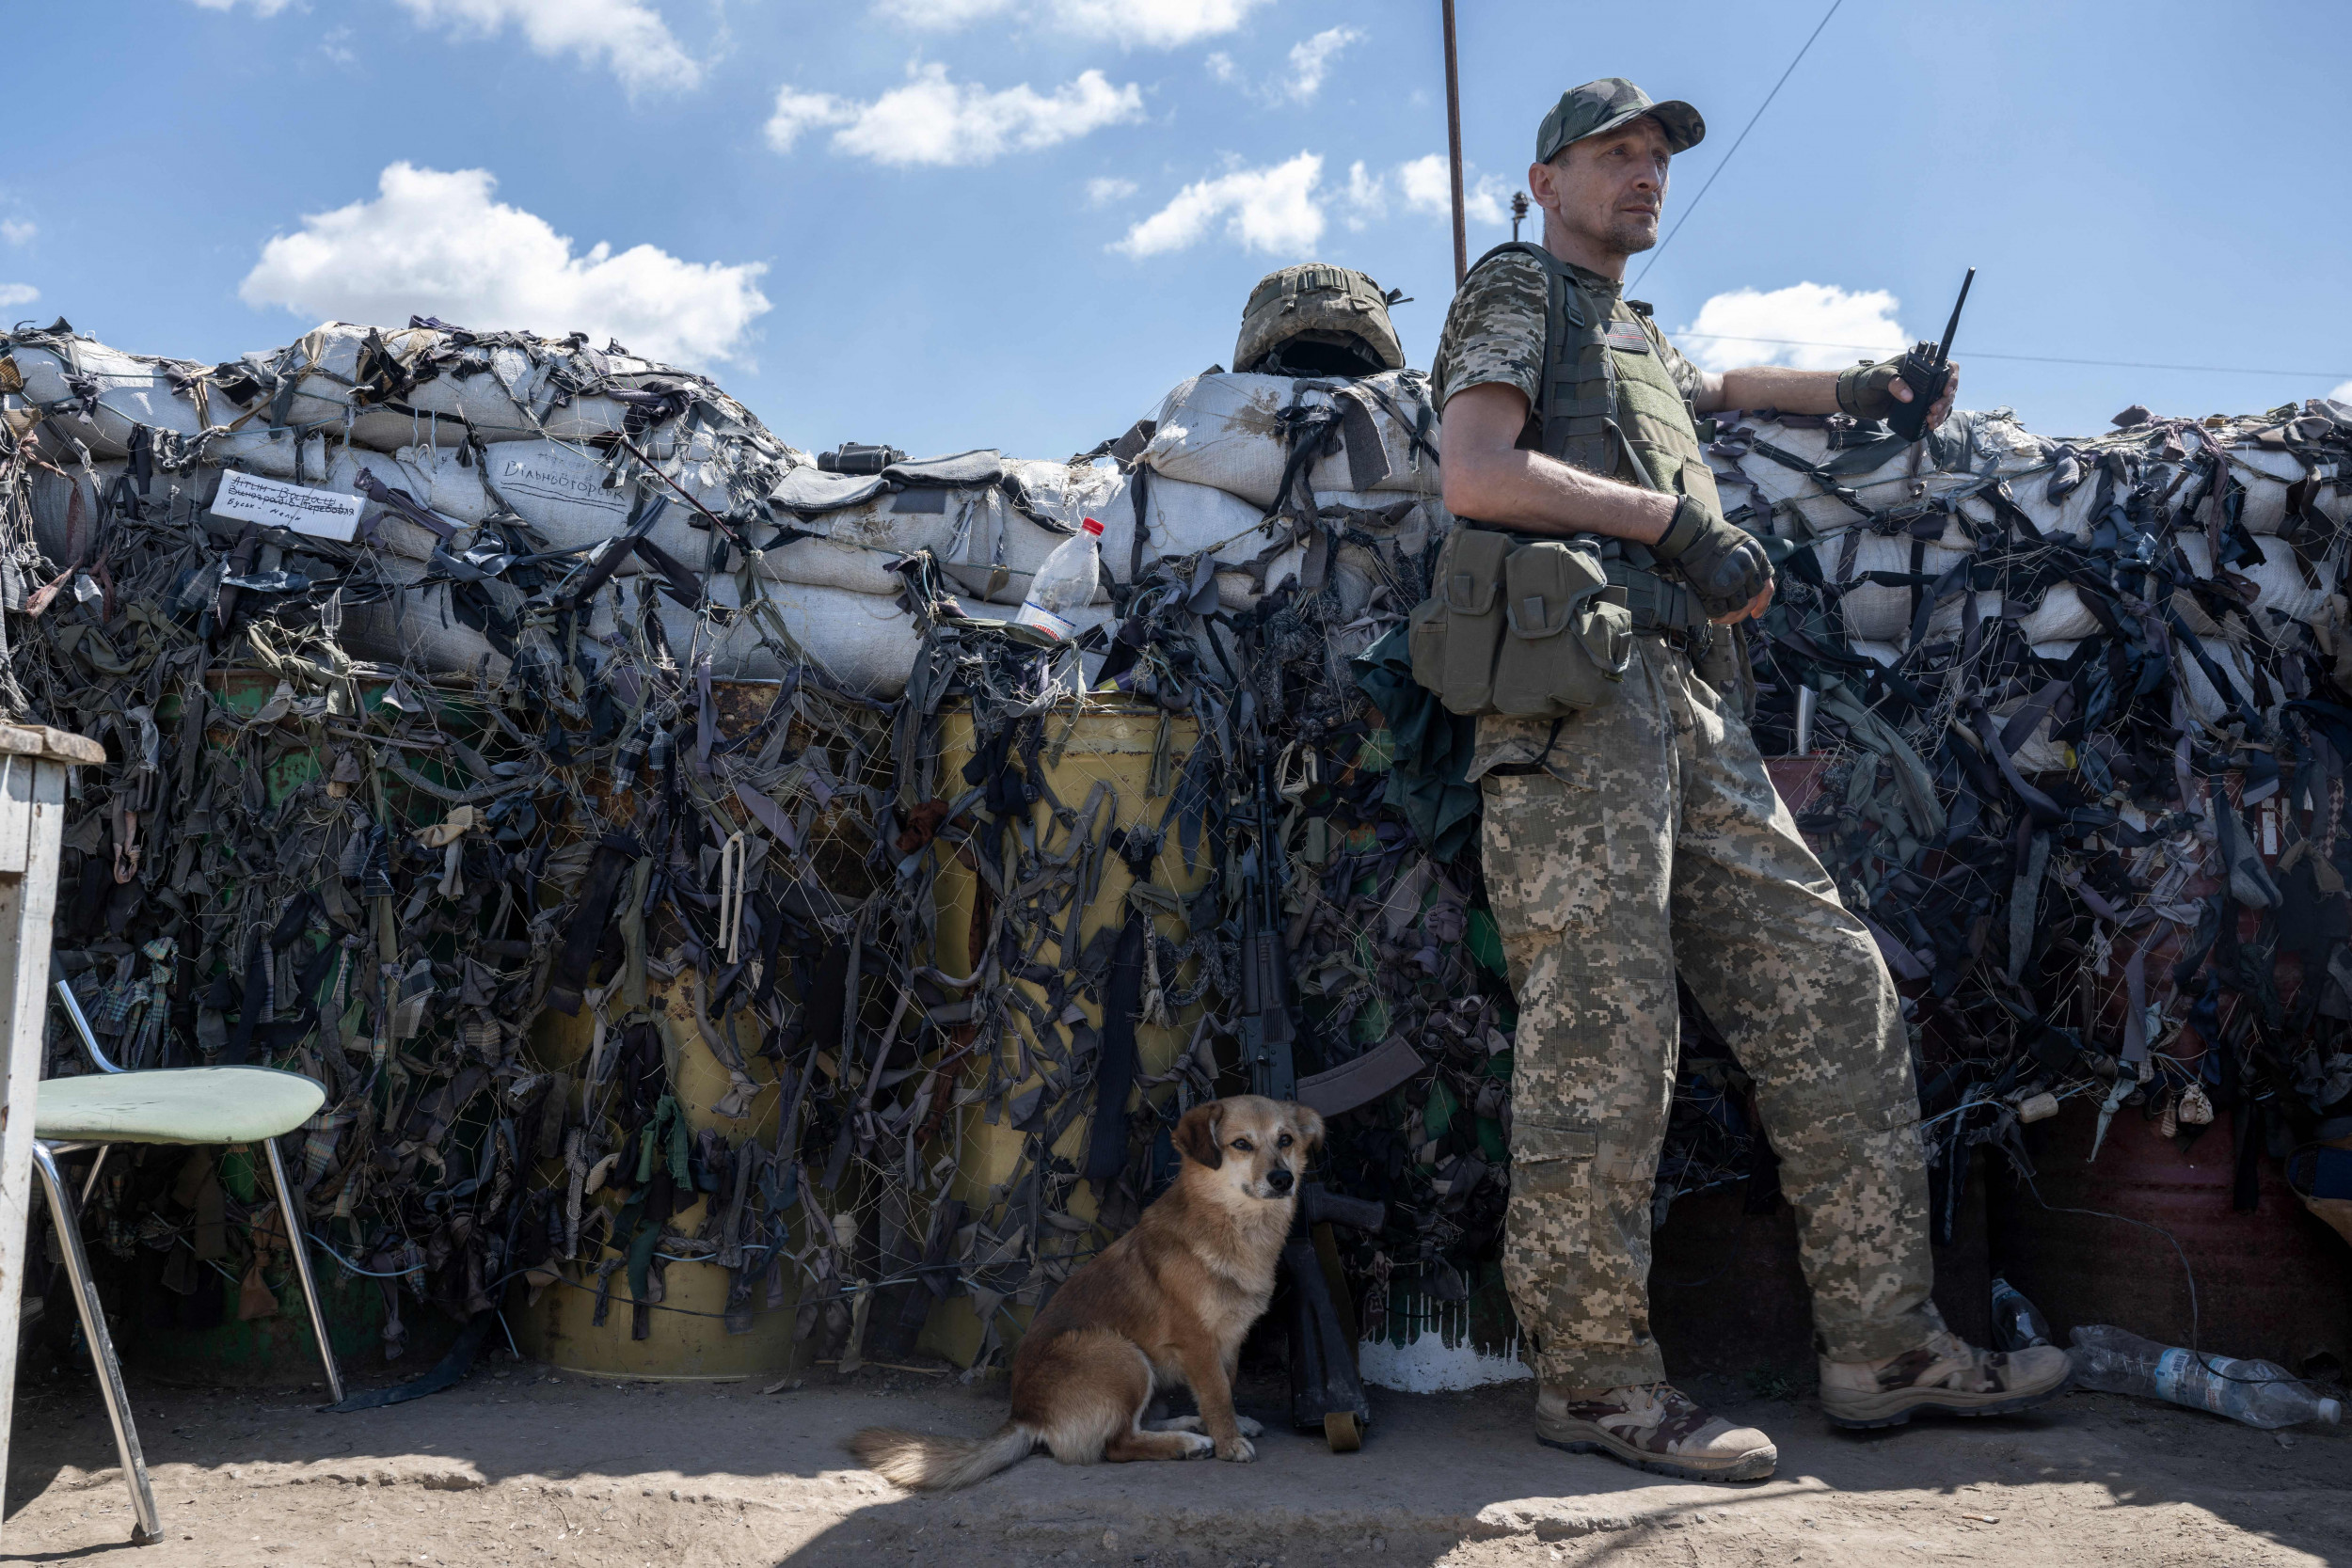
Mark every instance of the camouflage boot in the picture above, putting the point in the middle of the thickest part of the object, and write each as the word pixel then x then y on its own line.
pixel 1945 1373
pixel 1654 1427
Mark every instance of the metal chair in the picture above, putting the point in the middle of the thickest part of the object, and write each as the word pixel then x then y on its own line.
pixel 167 1105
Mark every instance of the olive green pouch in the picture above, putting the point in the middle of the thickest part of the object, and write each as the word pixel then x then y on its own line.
pixel 1567 640
pixel 1454 634
pixel 1525 629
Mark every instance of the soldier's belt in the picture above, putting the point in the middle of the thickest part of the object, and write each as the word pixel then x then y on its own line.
pixel 1660 608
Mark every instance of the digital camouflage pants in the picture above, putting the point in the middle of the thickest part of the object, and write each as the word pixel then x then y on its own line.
pixel 1655 844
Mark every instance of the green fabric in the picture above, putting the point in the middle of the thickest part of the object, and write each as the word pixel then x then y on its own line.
pixel 1428 779
pixel 176 1106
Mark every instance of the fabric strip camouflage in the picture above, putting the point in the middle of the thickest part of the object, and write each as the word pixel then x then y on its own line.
pixel 1656 845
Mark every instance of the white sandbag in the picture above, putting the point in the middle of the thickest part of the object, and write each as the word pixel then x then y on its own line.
pixel 1823 514
pixel 864 640
pixel 65 509
pixel 1399 399
pixel 2266 473
pixel 281 453
pixel 1180 519
pixel 2279 582
pixel 1875 612
pixel 855 545
pixel 508 393
pixel 496 402
pixel 2197 688
pixel 559 489
pixel 2061 617
pixel 1225 431
pixel 132 389
pixel 1993 444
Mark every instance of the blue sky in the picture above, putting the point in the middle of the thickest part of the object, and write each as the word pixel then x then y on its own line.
pixel 957 223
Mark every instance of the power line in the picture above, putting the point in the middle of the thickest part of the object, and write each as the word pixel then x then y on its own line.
pixel 1734 145
pixel 2026 358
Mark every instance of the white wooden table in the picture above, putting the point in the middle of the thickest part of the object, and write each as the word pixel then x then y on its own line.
pixel 33 764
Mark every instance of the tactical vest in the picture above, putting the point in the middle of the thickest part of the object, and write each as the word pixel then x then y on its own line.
pixel 1605 402
pixel 1543 627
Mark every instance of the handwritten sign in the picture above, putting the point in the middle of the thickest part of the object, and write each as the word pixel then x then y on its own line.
pixel 322 514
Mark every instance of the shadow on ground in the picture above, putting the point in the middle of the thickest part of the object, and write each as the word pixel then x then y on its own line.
pixel 517 1466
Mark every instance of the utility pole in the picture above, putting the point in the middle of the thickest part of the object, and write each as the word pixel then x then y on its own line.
pixel 1518 211
pixel 1453 148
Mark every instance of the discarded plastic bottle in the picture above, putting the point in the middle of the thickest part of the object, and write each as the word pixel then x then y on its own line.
pixel 1067 581
pixel 2258 1393
pixel 2017 1323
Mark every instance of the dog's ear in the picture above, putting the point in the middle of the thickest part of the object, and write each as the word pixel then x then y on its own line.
pixel 1196 1135
pixel 1310 1125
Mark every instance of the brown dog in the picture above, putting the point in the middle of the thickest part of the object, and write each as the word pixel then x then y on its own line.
pixel 1169 1303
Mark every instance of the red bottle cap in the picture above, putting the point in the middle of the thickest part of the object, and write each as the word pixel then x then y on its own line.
pixel 1091 526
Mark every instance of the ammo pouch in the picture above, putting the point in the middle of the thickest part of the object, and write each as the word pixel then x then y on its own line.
pixel 1527 628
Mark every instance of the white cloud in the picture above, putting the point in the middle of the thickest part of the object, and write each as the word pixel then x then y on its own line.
pixel 336 46
pixel 18 232
pixel 1103 192
pixel 1425 185
pixel 261 8
pixel 17 293
pixel 797 111
pixel 1311 61
pixel 1367 196
pixel 941 15
pixel 933 120
pixel 436 243
pixel 1811 326
pixel 1428 187
pixel 628 37
pixel 1220 67
pixel 1272 210
pixel 1154 23
pixel 2342 393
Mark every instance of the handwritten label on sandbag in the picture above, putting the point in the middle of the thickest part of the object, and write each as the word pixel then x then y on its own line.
pixel 322 514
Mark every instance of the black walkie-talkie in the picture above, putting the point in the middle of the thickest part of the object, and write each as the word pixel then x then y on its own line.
pixel 1925 370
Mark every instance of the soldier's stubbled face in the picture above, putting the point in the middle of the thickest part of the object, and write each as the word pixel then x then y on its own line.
pixel 1607 190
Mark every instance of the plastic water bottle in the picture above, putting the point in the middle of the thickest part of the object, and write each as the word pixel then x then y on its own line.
pixel 2017 1323
pixel 1066 583
pixel 2256 1392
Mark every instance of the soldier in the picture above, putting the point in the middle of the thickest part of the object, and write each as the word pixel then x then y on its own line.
pixel 1641 840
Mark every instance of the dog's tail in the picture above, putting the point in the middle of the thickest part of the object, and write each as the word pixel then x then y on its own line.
pixel 921 1463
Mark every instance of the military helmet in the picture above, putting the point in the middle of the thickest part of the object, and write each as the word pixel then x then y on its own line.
pixel 1318 319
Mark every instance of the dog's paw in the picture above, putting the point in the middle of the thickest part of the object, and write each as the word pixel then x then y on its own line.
pixel 1240 1450
pixel 1198 1445
pixel 1248 1427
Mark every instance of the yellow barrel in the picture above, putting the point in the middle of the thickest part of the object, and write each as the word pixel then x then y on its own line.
pixel 560 1327
pixel 1113 743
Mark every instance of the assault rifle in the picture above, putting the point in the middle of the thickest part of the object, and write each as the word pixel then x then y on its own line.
pixel 1326 1389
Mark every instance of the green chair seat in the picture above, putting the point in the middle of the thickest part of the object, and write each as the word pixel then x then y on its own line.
pixel 175 1105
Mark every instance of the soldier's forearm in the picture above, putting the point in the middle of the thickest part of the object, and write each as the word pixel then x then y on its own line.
pixel 1528 490
pixel 1769 387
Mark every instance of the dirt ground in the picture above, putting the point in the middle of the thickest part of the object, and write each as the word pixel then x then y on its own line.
pixel 524 1466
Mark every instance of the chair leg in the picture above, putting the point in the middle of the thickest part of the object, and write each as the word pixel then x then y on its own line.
pixel 90 1179
pixel 302 1269
pixel 102 1349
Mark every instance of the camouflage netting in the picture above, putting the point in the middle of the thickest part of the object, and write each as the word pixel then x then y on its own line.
pixel 2076 748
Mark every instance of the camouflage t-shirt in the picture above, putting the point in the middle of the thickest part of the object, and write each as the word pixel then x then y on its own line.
pixel 1494 332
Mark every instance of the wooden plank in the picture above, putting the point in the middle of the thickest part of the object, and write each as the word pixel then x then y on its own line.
pixel 27 904
pixel 16 812
pixel 40 740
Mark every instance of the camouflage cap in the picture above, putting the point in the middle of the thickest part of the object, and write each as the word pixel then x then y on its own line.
pixel 1604 105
